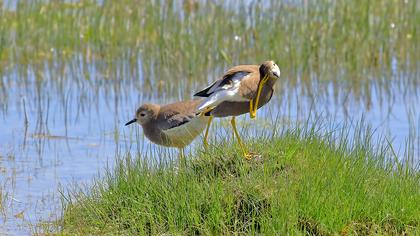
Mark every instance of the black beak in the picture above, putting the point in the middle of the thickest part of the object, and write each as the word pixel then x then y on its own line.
pixel 131 122
pixel 276 75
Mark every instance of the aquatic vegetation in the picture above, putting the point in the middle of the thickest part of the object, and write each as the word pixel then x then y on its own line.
pixel 304 182
pixel 331 41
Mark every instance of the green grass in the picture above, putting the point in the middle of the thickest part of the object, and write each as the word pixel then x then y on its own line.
pixel 304 183
pixel 330 41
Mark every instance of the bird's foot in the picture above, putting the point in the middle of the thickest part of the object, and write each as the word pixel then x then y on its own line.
pixel 252 155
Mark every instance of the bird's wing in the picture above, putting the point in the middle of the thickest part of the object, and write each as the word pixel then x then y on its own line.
pixel 177 114
pixel 185 129
pixel 228 80
pixel 178 120
pixel 229 88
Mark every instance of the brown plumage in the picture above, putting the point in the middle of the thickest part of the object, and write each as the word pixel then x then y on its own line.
pixel 236 93
pixel 172 125
pixel 228 108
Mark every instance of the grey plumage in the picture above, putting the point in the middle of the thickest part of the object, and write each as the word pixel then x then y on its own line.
pixel 171 125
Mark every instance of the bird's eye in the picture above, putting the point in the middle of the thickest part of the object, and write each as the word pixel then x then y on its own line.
pixel 142 114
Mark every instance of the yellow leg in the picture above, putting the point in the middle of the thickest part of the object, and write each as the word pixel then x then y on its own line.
pixel 252 114
pixel 182 159
pixel 181 153
pixel 233 123
pixel 207 132
pixel 253 107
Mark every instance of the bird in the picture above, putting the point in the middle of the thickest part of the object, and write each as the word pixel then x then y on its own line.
pixel 242 89
pixel 172 125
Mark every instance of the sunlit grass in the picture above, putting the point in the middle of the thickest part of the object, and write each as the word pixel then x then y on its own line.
pixel 190 42
pixel 304 182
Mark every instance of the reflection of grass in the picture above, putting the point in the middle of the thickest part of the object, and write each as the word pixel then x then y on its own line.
pixel 2 209
pixel 158 49
pixel 3 200
pixel 182 41
pixel 303 182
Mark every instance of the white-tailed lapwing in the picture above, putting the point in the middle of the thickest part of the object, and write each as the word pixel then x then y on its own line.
pixel 242 89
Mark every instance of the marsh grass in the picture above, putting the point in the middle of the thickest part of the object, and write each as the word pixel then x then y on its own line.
pixel 303 183
pixel 2 201
pixel 191 42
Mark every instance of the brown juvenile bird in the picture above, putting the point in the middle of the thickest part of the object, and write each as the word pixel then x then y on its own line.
pixel 172 125
pixel 242 89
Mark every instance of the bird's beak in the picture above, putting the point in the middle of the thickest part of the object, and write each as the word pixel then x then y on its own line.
pixel 277 75
pixel 276 71
pixel 131 122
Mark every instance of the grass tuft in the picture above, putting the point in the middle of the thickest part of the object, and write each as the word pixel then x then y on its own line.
pixel 302 184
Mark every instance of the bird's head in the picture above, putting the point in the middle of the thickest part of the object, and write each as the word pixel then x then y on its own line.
pixel 271 69
pixel 144 114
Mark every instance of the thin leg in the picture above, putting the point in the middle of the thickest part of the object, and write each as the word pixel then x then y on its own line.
pixel 181 153
pixel 207 132
pixel 252 114
pixel 253 107
pixel 182 159
pixel 233 123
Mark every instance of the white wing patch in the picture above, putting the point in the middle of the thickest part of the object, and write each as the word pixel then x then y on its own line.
pixel 228 92
pixel 235 77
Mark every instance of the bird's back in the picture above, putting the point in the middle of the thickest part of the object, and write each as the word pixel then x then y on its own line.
pixel 248 72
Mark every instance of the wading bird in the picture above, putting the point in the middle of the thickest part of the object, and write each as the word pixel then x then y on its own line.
pixel 172 125
pixel 242 89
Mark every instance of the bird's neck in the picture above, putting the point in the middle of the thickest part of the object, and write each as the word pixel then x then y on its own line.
pixel 270 82
pixel 266 91
pixel 266 94
pixel 268 85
